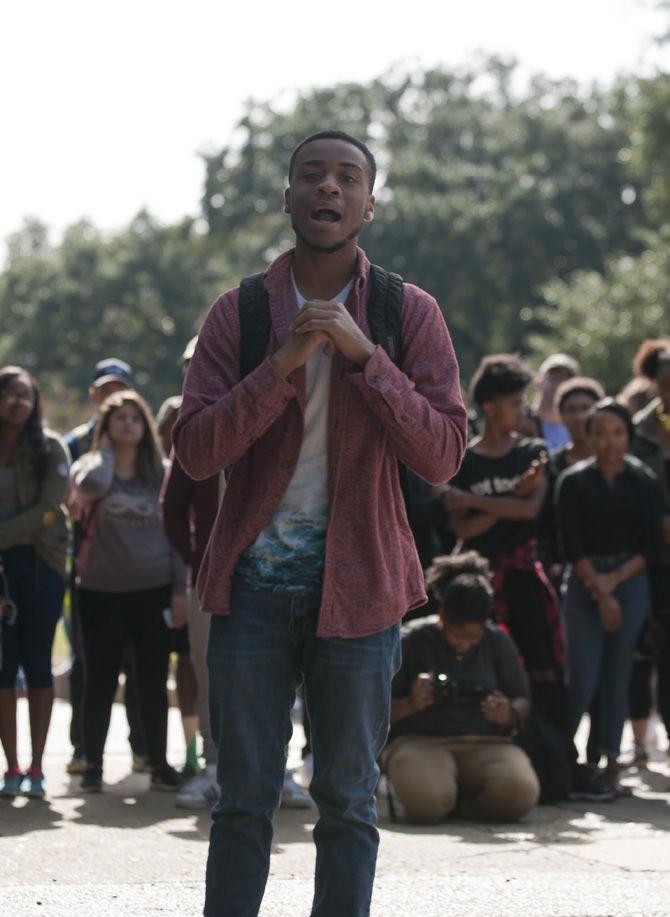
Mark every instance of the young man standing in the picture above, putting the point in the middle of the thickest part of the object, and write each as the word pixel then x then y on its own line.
pixel 311 563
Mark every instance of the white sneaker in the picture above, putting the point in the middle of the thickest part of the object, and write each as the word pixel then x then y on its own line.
pixel 293 796
pixel 201 792
pixel 305 771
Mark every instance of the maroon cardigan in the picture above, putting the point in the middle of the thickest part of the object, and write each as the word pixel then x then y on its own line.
pixel 189 511
pixel 377 415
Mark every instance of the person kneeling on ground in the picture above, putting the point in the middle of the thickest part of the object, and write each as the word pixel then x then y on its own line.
pixel 458 700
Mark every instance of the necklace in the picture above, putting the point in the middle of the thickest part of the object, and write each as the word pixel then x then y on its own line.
pixel 663 417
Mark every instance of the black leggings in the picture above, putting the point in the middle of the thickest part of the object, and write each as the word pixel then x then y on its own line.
pixel 110 622
pixel 640 696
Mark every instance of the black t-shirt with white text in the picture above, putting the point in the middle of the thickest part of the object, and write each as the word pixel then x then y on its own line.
pixel 498 477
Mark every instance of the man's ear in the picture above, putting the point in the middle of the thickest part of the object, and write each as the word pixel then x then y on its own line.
pixel 287 200
pixel 369 214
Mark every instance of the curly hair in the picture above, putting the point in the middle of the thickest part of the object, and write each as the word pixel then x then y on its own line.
pixel 652 354
pixel 149 452
pixel 461 586
pixel 499 374
pixel 33 431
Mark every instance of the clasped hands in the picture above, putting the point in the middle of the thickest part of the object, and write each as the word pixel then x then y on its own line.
pixel 320 323
pixel 601 586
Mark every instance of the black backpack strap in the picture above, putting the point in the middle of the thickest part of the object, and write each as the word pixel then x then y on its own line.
pixel 384 311
pixel 255 323
pixel 384 317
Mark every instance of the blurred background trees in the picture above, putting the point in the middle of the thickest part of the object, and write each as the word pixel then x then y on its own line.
pixel 539 219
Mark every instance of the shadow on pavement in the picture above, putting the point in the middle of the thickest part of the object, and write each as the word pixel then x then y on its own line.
pixel 576 822
pixel 23 816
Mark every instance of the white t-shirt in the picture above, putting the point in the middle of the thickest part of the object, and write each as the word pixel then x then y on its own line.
pixel 287 556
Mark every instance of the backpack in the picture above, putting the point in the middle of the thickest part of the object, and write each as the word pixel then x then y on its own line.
pixel 384 316
pixel 384 308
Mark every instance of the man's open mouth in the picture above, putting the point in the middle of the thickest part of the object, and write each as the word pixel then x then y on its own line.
pixel 325 215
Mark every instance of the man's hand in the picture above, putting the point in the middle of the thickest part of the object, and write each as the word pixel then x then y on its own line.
pixel 531 477
pixel 454 498
pixel 178 606
pixel 422 694
pixel 496 708
pixel 297 350
pixel 333 319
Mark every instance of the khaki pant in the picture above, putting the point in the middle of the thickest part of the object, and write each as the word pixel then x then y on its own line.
pixel 198 634
pixel 431 777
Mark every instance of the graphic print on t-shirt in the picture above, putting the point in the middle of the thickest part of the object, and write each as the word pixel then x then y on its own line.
pixel 130 503
pixel 498 477
pixel 288 555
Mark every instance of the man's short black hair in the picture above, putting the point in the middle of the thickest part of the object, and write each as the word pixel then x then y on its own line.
pixel 499 374
pixel 337 135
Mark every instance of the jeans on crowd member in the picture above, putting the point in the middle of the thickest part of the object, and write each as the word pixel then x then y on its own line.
pixel 479 780
pixel 601 661
pixel 111 622
pixel 37 591
pixel 198 633
pixel 257 657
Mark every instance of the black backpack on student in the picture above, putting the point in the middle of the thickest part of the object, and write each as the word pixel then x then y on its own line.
pixel 384 308
pixel 384 316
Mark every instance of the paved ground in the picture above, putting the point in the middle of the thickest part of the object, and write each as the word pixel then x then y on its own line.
pixel 131 852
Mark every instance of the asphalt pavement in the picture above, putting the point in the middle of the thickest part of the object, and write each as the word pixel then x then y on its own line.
pixel 130 851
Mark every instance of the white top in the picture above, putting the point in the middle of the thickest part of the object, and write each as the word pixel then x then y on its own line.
pixel 287 556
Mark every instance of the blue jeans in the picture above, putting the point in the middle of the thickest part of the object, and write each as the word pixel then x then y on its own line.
pixel 257 656
pixel 601 661
pixel 37 591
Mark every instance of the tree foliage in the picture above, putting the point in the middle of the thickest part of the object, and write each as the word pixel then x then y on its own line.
pixel 137 295
pixel 532 215
pixel 484 195
pixel 601 319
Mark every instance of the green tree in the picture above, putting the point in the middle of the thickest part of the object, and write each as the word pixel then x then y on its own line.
pixel 484 194
pixel 139 295
pixel 602 319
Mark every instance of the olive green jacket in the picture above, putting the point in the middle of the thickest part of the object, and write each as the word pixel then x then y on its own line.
pixel 41 520
pixel 647 448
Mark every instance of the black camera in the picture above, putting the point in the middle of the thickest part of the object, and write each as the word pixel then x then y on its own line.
pixel 448 689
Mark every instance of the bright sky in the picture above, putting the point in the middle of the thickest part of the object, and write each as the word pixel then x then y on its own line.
pixel 105 106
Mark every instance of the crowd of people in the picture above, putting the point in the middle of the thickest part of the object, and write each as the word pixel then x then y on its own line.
pixel 565 502
pixel 547 562
pixel 102 514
